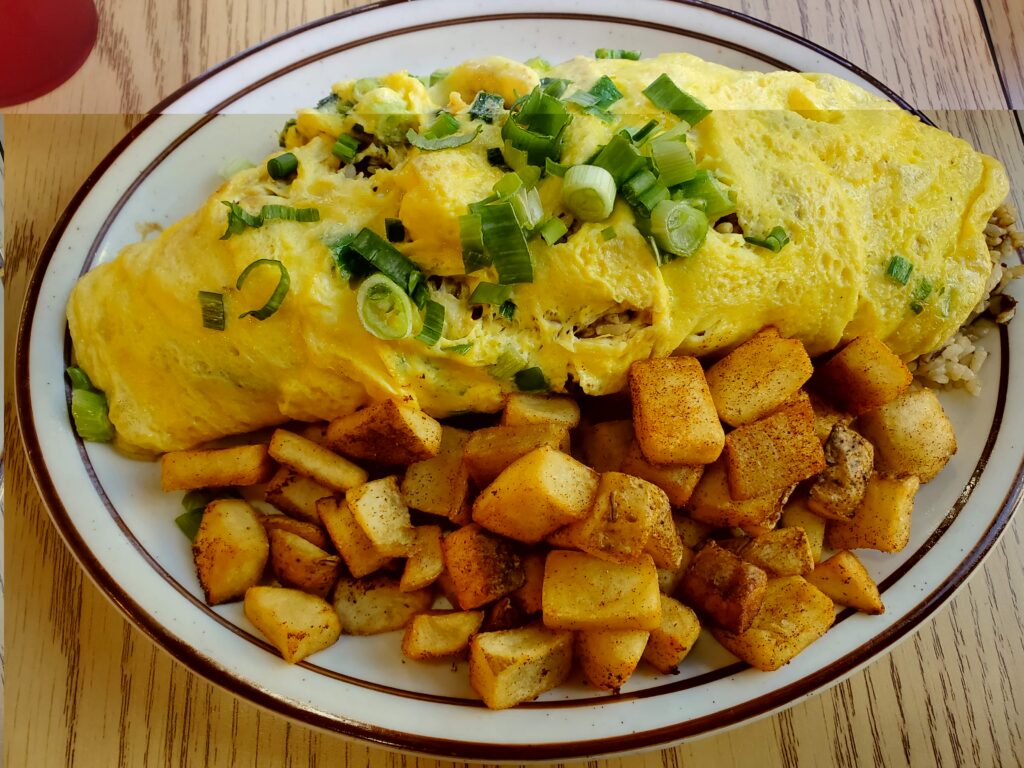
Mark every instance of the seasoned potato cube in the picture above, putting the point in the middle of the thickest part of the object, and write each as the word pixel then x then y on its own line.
pixel 673 413
pixel 529 596
pixel 912 435
pixel 537 494
pixel 772 454
pixel 358 552
pixel 724 587
pixel 296 494
pixel 757 377
pixel 437 634
pixel 388 432
pixel 439 486
pixel 302 565
pixel 377 604
pixel 672 641
pixel 783 552
pixel 426 560
pixel 605 445
pixel 882 521
pixel 847 582
pixel 826 417
pixel 609 656
pixel 837 492
pixel 315 431
pixel 664 545
pixel 378 508
pixel 711 502
pixel 481 567
pixel 242 465
pixel 230 550
pixel 692 532
pixel 526 408
pixel 863 375
pixel 797 514
pixel 618 524
pixel 676 480
pixel 669 579
pixel 296 623
pixel 489 451
pixel 311 532
pixel 516 665
pixel 307 458
pixel 583 592
pixel 793 615
pixel 504 613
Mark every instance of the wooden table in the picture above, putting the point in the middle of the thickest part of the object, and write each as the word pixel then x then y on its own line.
pixel 85 688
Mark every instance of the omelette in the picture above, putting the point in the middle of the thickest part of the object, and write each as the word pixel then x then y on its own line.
pixel 845 215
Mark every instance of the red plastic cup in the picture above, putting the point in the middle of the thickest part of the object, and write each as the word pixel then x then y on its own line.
pixel 42 43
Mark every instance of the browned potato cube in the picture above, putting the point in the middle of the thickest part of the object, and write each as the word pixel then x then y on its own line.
pixel 377 604
pixel 489 451
pixel 439 485
pixel 797 514
pixel 358 552
pixel 322 465
pixel 864 375
pixel 388 432
pixel 826 417
pixel 605 445
pixel 669 579
pixel 527 408
pixel 618 524
pixel 912 435
pixel 315 431
pixel 676 480
pixel 504 613
pixel 712 503
pixel 426 559
pixel 583 592
pixel 692 532
pixel 673 413
pixel 609 656
pixel 529 597
pixel 757 377
pixel 296 623
pixel 882 521
pixel 481 566
pixel 537 494
pixel 724 587
pixel 302 565
pixel 516 665
pixel 847 582
pixel 296 494
pixel 782 552
pixel 378 508
pixel 793 615
pixel 230 550
pixel 664 545
pixel 242 465
pixel 772 454
pixel 437 634
pixel 672 641
pixel 311 532
pixel 837 492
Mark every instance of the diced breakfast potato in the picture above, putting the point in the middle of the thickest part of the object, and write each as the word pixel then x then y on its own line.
pixel 426 559
pixel 388 432
pixel 439 485
pixel 527 408
pixel 837 492
pixel 242 465
pixel 757 377
pixel 438 634
pixel 664 545
pixel 322 465
pixel 516 665
pixel 296 494
pixel 504 613
pixel 773 453
pixel 489 451
pixel 882 521
pixel 863 375
pixel 797 514
pixel 535 495
pixel 609 656
pixel 296 623
pixel 673 414
pixel 481 567
pixel 378 508
pixel 692 532
pixel 302 565
pixel 311 532
pixel 583 592
pixel 377 604
pixel 724 587
pixel 676 480
pixel 358 552
pixel 230 550
pixel 826 416
pixel 912 435
pixel 845 579
pixel 793 615
pixel 315 431
pixel 671 642
pixel 712 503
pixel 782 552
pixel 669 579
pixel 605 444
pixel 529 596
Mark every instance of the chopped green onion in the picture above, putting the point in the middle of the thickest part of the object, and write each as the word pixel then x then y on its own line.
pixel 239 219
pixel 387 259
pixel 620 158
pixel 608 233
pixel 212 306
pixel 89 409
pixel 616 53
pixel 922 291
pixel 537 127
pixel 282 166
pixel 554 86
pixel 433 323
pixel 717 199
pixel 384 308
pixel 774 241
pixel 444 125
pixel 274 302
pixel 643 131
pixel 471 236
pixel 538 64
pixel 350 264
pixel 438 75
pixel 665 94
pixel 507 309
pixel 364 85
pixel 553 230
pixel 531 380
pixel 637 184
pixel 650 198
pixel 656 250
pixel 588 191
pixel 287 213
pixel 487 107
pixel 899 270
pixel 284 131
pixel 328 103
pixel 528 207
pixel 599 98
pixel 345 148
pixel 458 349
pixel 507 185
pixel 495 157
pixel 194 503
pixel 554 169
pixel 79 378
pixel 673 160
pixel 506 244
pixel 507 365
pixel 394 230
pixel 490 293
pixel 447 142
pixel 678 228
pixel 232 167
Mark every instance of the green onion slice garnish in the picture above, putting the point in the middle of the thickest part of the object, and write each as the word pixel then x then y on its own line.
pixel 665 94
pixel 487 107
pixel 79 378
pixel 274 302
pixel 446 142
pixel 394 230
pixel 673 160
pixel 715 197
pixel 538 64
pixel 528 207
pixel 508 185
pixel 345 148
pixel 471 236
pixel 438 75
pixel 608 233
pixel 553 230
pixel 774 241
pixel 239 219
pixel 678 228
pixel 282 166
pixel 922 290
pixel 598 98
pixel 620 158
pixel 89 409
pixel 507 309
pixel 384 309
pixel 212 306
pixel 551 168
pixel 588 191
pixel 387 259
pixel 554 86
pixel 531 380
pixel 616 53
pixel 507 365
pixel 899 270
pixel 444 125
pixel 505 243
pixel 194 504
pixel 433 323
pixel 537 127
pixel 490 293
pixel 640 134
pixel 458 349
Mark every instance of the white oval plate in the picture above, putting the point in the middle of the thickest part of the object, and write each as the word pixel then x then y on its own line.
pixel 114 518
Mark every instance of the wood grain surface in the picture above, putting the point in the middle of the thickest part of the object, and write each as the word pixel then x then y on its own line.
pixel 84 688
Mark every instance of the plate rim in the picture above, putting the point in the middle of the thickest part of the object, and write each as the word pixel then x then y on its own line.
pixel 815 682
